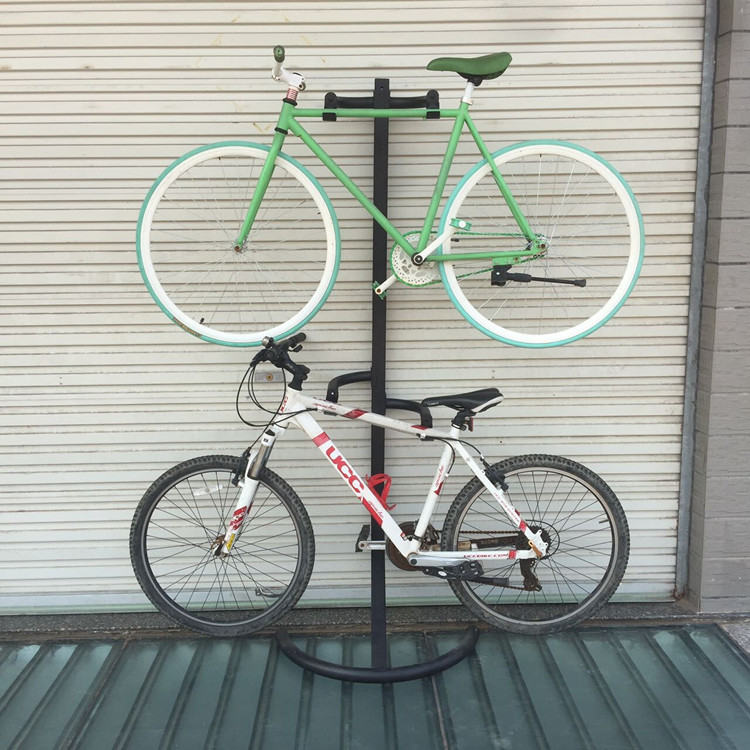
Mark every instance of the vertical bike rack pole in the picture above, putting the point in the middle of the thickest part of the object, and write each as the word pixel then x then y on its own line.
pixel 381 100
pixel 379 672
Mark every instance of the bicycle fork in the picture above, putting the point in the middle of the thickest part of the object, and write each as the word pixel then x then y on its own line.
pixel 254 464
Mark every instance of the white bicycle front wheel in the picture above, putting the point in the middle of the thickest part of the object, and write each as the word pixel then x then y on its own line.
pixel 272 285
pixel 591 224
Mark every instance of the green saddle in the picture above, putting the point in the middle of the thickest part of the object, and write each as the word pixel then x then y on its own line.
pixel 474 69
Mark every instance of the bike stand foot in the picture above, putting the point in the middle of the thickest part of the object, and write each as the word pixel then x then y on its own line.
pixel 378 675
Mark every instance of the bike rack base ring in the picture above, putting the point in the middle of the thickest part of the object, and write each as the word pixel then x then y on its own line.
pixel 378 675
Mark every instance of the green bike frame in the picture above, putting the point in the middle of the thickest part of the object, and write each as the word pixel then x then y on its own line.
pixel 288 123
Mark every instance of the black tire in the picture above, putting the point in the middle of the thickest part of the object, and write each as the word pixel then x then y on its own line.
pixel 587 534
pixel 173 539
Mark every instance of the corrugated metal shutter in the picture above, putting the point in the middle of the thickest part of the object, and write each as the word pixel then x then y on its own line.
pixel 101 393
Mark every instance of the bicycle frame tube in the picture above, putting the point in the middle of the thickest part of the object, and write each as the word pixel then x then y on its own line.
pixel 297 406
pixel 348 183
pixel 260 190
pixel 288 122
pixel 515 209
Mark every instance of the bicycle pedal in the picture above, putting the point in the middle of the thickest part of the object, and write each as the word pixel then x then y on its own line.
pixel 461 224
pixel 376 288
pixel 267 593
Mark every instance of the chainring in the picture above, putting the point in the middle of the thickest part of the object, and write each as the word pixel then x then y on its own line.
pixel 409 272
pixel 430 540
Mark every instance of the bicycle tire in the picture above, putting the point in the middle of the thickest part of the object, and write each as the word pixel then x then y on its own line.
pixel 174 536
pixel 186 239
pixel 586 530
pixel 594 231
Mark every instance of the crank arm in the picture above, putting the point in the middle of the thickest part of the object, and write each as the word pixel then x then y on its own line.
pixel 381 289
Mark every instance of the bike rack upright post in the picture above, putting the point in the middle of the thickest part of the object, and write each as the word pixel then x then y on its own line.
pixel 379 672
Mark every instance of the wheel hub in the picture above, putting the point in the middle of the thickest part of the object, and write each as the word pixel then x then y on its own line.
pixel 549 536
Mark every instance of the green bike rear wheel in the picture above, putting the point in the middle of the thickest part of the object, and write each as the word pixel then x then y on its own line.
pixel 593 229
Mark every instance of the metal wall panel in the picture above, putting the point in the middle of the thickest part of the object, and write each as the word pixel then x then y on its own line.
pixel 101 393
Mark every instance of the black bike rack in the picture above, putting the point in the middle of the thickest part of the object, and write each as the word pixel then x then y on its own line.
pixel 379 672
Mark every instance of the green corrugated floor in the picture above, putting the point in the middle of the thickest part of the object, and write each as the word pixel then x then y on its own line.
pixel 604 688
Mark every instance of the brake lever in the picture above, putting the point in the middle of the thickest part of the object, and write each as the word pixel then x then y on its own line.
pixel 261 356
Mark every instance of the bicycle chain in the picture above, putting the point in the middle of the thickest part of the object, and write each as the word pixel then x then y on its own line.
pixel 522 564
pixel 425 275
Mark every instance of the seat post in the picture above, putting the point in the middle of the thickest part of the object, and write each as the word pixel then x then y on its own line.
pixel 464 420
pixel 468 92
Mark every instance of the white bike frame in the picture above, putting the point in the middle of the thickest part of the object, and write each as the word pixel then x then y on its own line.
pixel 296 408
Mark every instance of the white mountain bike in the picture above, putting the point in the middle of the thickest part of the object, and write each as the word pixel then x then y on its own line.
pixel 532 544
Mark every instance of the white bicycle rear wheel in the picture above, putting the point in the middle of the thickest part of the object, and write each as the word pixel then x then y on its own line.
pixel 187 234
pixel 593 229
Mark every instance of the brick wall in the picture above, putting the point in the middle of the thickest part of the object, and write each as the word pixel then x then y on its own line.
pixel 719 577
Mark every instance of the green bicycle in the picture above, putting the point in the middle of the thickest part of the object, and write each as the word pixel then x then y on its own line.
pixel 538 245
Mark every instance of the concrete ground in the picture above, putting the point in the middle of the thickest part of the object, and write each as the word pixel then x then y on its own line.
pixel 345 620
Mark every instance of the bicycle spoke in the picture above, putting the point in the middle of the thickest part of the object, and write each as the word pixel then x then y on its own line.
pixel 187 244
pixel 206 587
pixel 557 500
pixel 573 202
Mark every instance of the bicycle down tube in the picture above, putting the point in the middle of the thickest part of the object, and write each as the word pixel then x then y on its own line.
pixel 288 123
pixel 297 406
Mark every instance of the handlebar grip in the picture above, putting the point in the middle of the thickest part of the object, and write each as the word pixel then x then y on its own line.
pixel 269 343
pixel 278 56
pixel 293 341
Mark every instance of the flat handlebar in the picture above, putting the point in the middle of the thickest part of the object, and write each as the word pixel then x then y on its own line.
pixel 291 343
pixel 278 56
pixel 277 353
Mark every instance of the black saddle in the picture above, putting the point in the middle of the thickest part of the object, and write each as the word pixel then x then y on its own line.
pixel 475 401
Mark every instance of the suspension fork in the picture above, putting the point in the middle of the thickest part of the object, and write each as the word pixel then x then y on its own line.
pixel 256 462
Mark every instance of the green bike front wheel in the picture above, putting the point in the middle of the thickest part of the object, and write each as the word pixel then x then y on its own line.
pixel 589 221
pixel 188 255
